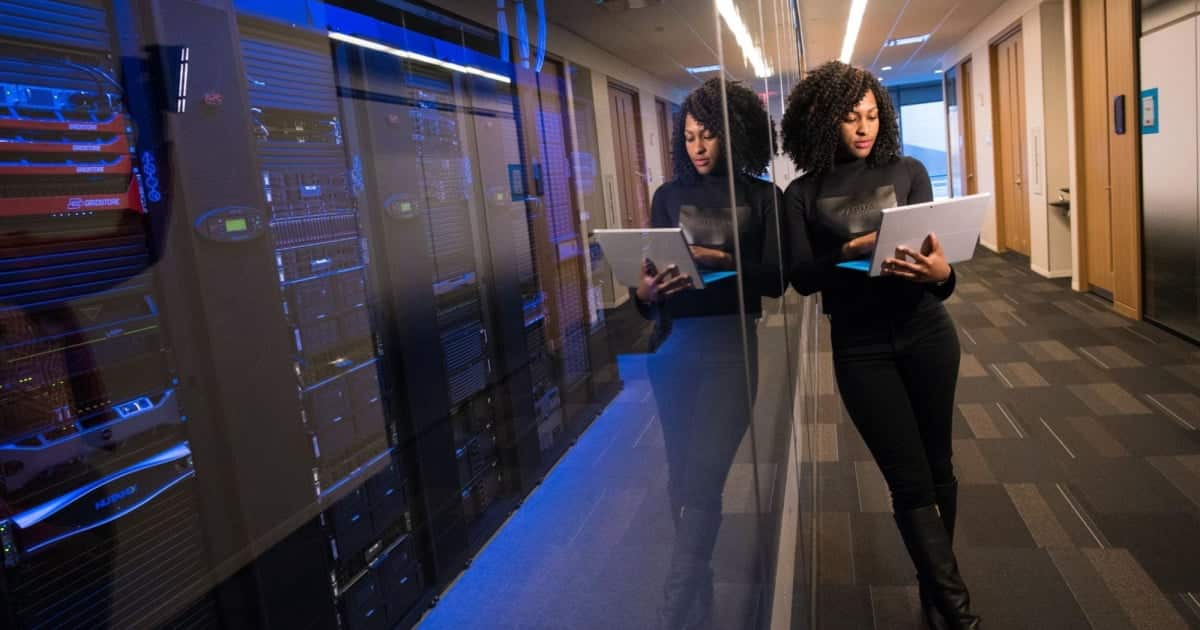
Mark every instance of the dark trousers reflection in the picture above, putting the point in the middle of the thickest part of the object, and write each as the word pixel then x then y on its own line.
pixel 698 377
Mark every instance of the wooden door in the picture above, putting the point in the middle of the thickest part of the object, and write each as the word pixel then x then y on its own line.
pixel 1095 207
pixel 1012 202
pixel 630 157
pixel 1124 160
pixel 966 105
pixel 1106 37
pixel 664 138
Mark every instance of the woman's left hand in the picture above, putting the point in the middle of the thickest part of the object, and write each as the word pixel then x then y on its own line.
pixel 712 258
pixel 928 266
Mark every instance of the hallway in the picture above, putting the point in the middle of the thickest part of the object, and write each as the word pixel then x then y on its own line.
pixel 1077 448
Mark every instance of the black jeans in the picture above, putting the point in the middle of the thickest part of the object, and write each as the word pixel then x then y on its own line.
pixel 897 376
pixel 699 380
pixel 698 376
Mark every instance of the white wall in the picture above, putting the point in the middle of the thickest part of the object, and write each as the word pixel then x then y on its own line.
pixel 1057 150
pixel 1035 147
pixel 1072 141
pixel 1047 115
pixel 1166 12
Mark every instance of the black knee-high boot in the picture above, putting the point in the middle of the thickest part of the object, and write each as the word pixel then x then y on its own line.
pixel 928 543
pixel 947 504
pixel 688 592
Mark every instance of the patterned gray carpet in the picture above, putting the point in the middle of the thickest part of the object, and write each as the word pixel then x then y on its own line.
pixel 1076 443
pixel 1077 446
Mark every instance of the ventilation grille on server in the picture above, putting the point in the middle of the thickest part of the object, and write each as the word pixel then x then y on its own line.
pixel 127 575
pixel 557 187
pixel 564 237
pixel 285 75
pixel 74 23
pixel 574 324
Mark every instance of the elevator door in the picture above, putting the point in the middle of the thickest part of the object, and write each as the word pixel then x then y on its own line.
pixel 1170 170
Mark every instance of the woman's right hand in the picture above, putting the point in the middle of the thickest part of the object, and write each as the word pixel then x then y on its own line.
pixel 658 286
pixel 860 247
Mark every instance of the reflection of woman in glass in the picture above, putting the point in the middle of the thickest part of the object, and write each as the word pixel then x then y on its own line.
pixel 895 348
pixel 702 374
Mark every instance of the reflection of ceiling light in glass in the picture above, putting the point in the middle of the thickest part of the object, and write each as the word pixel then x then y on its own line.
pixel 905 41
pixel 415 56
pixel 937 71
pixel 853 24
pixel 885 68
pixel 750 53
pixel 703 69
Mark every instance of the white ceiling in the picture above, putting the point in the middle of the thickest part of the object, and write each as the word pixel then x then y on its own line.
pixel 663 37
pixel 948 22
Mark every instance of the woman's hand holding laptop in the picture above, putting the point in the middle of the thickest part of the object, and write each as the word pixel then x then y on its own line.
pixel 658 285
pixel 928 266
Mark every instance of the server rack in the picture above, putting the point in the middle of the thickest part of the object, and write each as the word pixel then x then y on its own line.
pixel 322 257
pixel 469 187
pixel 99 519
pixel 288 276
pixel 406 131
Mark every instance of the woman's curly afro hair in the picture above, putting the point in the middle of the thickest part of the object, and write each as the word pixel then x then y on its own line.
pixel 750 127
pixel 816 107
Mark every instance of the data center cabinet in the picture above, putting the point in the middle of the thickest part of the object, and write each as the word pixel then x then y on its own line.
pixel 289 324
pixel 99 512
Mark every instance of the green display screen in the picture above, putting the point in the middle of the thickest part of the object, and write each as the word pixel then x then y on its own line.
pixel 235 225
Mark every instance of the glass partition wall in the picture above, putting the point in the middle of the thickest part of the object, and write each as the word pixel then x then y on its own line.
pixel 306 324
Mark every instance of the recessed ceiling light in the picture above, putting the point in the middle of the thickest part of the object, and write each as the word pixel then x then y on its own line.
pixel 702 69
pixel 750 51
pixel 853 24
pixel 885 68
pixel 905 41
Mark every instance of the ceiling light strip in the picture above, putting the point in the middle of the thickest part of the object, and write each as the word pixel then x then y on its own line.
pixel 905 41
pixel 751 53
pixel 853 24
pixel 418 57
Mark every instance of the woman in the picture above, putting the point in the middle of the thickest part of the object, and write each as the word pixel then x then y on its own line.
pixel 895 348
pixel 703 371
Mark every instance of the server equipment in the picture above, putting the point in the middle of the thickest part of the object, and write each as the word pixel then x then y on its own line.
pixel 322 257
pixel 475 237
pixel 410 136
pixel 99 520
pixel 287 326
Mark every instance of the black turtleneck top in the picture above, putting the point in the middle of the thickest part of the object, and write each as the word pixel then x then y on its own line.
pixel 701 207
pixel 822 212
